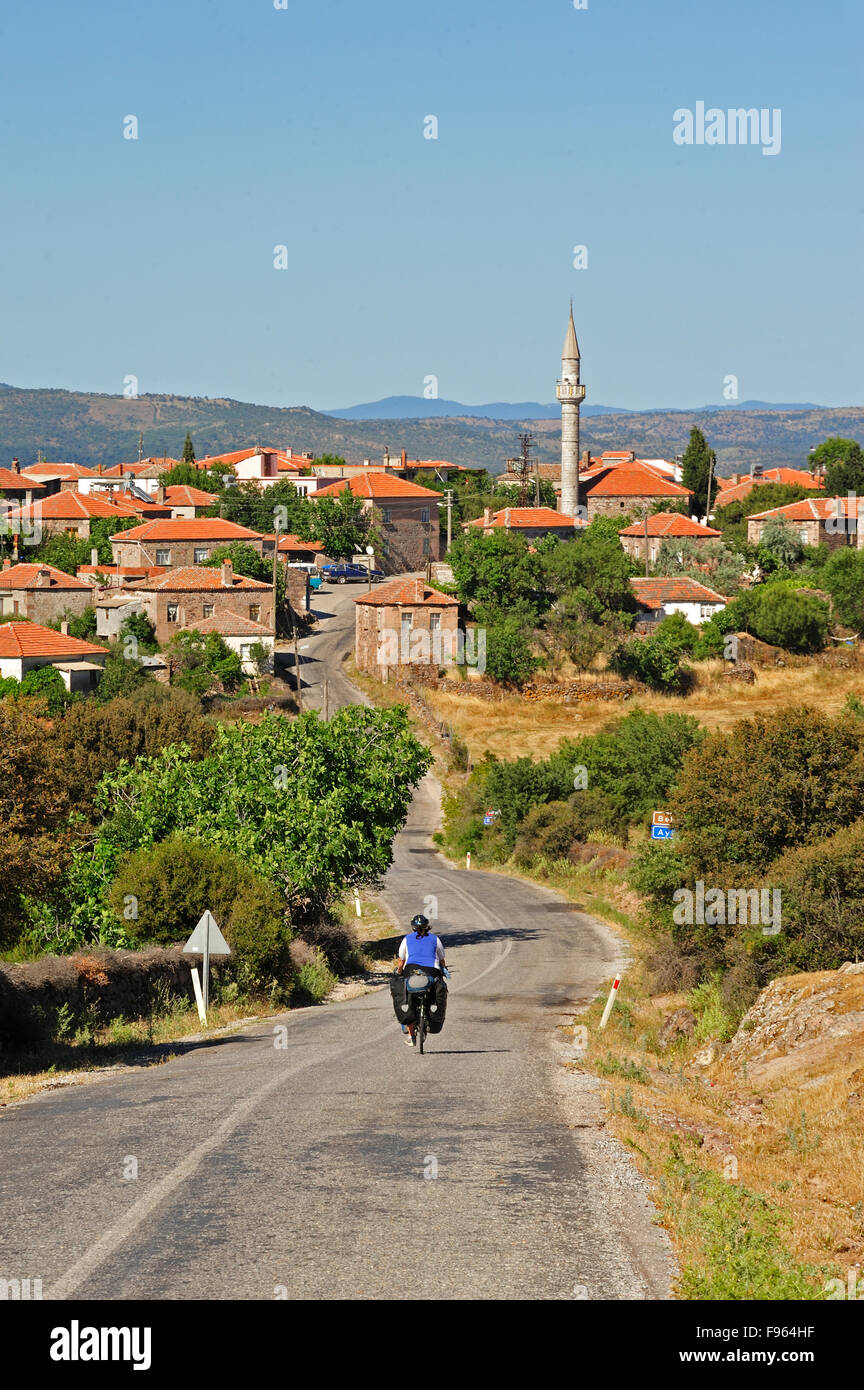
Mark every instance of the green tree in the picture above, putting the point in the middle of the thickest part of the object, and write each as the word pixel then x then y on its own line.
pixel 654 660
pixel 797 622
pixel 47 683
pixel 843 462
pixel 139 626
pixel 509 659
pixel 309 805
pixel 121 675
pixel 188 449
pixel 341 523
pixel 199 663
pixel 634 761
pixel 498 573
pixel 779 544
pixel 596 569
pixel 769 784
pixel 248 562
pixel 697 466
pixel 842 576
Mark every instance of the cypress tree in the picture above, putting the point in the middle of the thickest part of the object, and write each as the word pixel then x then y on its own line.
pixel 188 449
pixel 697 466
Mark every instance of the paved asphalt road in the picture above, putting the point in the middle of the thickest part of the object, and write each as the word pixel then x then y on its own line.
pixel 315 1156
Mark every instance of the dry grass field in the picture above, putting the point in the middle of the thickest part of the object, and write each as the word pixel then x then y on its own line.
pixel 514 727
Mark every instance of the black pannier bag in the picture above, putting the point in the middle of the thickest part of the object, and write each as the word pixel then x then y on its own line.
pixel 437 1006
pixel 403 1004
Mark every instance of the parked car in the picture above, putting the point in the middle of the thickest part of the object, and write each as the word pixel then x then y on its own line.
pixel 315 580
pixel 306 565
pixel 346 573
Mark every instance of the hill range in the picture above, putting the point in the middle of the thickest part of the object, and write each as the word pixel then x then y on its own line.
pixel 90 428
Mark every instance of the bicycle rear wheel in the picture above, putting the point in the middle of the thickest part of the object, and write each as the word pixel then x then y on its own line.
pixel 421 1024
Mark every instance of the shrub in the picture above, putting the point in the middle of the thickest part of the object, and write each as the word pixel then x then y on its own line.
pixel 653 660
pixel 822 887
pixel 160 893
pixel 634 761
pixel 549 829
pixel 47 684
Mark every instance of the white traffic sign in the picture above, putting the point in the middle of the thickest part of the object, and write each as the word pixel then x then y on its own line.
pixel 207 937
pixel 207 940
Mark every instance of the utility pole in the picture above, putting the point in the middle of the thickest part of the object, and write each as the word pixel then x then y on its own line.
pixel 710 477
pixel 140 445
pixel 646 543
pixel 449 496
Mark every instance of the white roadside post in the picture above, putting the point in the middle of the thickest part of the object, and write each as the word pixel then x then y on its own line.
pixel 357 907
pixel 205 940
pixel 468 860
pixel 610 1001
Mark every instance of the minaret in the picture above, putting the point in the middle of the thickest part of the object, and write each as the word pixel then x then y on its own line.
pixel 571 395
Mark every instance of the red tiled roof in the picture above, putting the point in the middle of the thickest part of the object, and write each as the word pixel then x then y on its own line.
pixel 123 571
pixel 811 509
pixel 195 577
pixel 231 625
pixel 74 506
pixel 376 485
pixel 408 591
pixel 288 542
pixel 26 576
pixel 529 517
pixel 19 482
pixel 669 524
pixel 652 593
pixel 632 480
pixel 181 495
pixel 739 492
pixel 54 470
pixel 199 528
pixel 117 470
pixel 31 639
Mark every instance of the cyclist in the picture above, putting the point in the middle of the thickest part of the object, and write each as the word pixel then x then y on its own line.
pixel 421 947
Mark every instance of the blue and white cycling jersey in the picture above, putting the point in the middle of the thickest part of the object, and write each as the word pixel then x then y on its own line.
pixel 422 950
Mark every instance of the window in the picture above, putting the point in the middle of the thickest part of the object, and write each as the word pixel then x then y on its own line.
pixel 705 610
pixel 208 611
pixel 200 554
pixel 387 514
pixel 245 651
pixel 255 612
pixel 434 622
pixel 426 547
pixel 173 613
pixel 424 515
pixel 163 557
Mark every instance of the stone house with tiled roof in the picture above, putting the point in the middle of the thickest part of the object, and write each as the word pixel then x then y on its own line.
pixel 651 532
pixel 624 487
pixel 405 625
pixel 406 516
pixel 833 521
pixel 530 522
pixel 180 542
pixel 42 593
pixel 186 597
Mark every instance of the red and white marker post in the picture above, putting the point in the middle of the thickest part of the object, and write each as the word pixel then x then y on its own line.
pixel 610 1001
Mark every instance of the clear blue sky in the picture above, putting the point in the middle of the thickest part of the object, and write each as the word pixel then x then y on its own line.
pixel 407 257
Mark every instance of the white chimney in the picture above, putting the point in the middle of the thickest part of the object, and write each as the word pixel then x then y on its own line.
pixel 227 574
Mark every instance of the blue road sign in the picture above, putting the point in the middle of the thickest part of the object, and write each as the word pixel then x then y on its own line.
pixel 662 832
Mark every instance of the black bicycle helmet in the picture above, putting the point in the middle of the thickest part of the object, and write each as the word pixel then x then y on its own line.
pixel 420 924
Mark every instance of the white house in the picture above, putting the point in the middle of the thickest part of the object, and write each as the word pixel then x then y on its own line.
pixel 28 646
pixel 657 598
pixel 241 634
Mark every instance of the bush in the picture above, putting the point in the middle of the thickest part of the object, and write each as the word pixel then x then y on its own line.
pixel 822 887
pixel 634 761
pixel 654 660
pixel 313 979
pixel 549 830
pixel 160 893
pixel 47 684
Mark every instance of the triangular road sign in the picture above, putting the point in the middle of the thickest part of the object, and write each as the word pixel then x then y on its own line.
pixel 197 941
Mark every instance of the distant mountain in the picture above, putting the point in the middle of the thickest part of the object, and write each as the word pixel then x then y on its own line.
pixel 89 428
pixel 419 408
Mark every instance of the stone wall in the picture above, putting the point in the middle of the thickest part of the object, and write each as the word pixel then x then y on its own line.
pixel 105 984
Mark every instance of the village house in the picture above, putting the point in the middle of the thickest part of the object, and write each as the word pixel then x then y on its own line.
pixel 658 598
pixel 620 487
pixel 738 486
pixel 406 516
pixel 405 625
pixel 58 477
pixel 530 522
pixel 241 635
pixel 184 598
pixel 17 490
pixel 70 514
pixel 294 550
pixel 266 466
pixel 29 646
pixel 41 593
pixel 816 520
pixel 176 543
pixel 653 531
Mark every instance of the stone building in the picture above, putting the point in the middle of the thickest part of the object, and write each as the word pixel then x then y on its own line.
pixel 531 522
pixel 658 598
pixel 405 625
pixel 69 513
pixel 42 593
pixel 616 489
pixel 406 516
pixel 833 521
pixel 181 542
pixel 662 527
pixel 186 597
pixel 29 646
